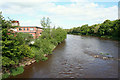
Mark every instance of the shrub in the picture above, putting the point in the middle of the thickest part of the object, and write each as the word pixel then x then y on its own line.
pixel 17 71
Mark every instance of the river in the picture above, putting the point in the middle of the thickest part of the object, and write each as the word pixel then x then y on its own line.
pixel 73 59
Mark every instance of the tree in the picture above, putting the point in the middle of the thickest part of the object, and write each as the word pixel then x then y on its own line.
pixel 108 29
pixel 48 40
pixel 14 46
pixel 46 27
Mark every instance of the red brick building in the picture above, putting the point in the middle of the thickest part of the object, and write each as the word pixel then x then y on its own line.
pixel 33 30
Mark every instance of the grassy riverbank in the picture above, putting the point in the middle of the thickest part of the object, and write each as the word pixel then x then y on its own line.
pixel 17 51
pixel 108 29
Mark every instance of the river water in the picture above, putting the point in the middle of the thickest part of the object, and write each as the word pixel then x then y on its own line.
pixel 71 59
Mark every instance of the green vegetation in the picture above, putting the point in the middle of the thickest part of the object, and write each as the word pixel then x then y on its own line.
pixel 104 53
pixel 17 71
pixel 107 29
pixel 107 53
pixel 16 46
pixel 5 75
pixel 48 40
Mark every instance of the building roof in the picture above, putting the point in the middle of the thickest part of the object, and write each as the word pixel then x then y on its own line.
pixel 30 26
pixel 15 21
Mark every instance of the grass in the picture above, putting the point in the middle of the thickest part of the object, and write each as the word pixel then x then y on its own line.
pixel 104 53
pixel 107 53
pixel 6 75
pixel 17 71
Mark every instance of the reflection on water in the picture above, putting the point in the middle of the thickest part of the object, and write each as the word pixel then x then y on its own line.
pixel 69 60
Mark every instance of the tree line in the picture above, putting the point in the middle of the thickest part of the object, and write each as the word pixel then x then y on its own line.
pixel 107 29
pixel 16 46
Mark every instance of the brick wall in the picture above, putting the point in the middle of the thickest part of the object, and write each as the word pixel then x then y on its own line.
pixel 36 32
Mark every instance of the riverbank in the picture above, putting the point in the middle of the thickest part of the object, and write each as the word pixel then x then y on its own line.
pixel 26 61
pixel 108 29
pixel 16 47
pixel 72 59
pixel 101 37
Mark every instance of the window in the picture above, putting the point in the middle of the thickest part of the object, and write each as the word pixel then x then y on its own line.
pixel 27 29
pixel 31 29
pixel 20 29
pixel 24 29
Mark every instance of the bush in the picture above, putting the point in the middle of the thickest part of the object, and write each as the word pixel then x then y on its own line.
pixel 44 58
pixel 48 40
pixel 17 71
pixel 5 75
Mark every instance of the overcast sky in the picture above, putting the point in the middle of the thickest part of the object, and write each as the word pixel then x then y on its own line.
pixel 64 13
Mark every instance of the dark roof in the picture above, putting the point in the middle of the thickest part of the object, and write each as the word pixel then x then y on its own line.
pixel 30 26
pixel 15 21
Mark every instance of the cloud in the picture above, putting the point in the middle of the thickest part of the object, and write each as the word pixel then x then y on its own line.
pixel 89 12
pixel 67 16
pixel 119 10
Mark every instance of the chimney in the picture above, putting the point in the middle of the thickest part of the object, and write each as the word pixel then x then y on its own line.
pixel 15 23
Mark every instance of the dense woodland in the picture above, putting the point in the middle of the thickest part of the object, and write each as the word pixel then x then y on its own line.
pixel 107 29
pixel 16 46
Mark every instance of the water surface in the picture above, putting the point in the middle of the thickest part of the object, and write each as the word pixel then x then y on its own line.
pixel 71 59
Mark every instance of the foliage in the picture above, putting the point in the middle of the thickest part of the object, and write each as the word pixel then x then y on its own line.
pixel 24 38
pixel 58 34
pixel 107 29
pixel 48 40
pixel 14 47
pixel 17 71
pixel 6 75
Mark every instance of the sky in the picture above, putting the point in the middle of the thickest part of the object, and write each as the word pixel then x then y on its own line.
pixel 63 13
